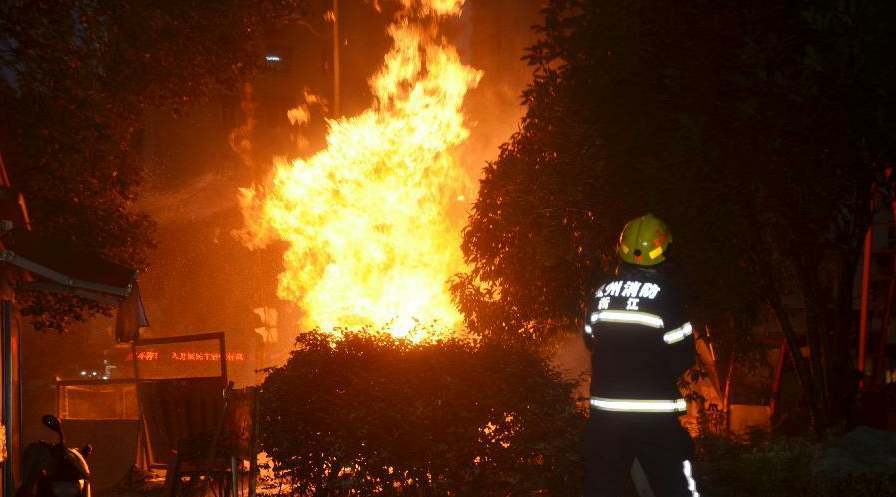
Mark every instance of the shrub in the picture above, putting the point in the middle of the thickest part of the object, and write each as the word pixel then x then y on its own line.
pixel 750 467
pixel 368 414
pixel 777 467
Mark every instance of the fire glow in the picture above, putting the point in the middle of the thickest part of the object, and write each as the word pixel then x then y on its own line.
pixel 366 220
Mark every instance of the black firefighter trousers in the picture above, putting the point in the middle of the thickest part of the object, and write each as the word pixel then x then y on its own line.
pixel 612 440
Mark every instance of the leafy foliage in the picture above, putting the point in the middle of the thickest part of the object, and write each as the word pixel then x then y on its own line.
pixel 599 144
pixel 78 75
pixel 756 131
pixel 370 414
pixel 777 467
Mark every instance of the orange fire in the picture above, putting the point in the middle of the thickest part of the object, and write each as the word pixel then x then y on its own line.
pixel 370 238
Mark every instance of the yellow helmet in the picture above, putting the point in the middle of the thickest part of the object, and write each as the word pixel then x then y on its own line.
pixel 644 240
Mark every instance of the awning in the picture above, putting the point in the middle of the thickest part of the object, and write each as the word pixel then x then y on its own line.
pixel 57 262
pixel 59 268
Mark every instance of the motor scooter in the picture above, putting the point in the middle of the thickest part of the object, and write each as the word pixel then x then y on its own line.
pixel 54 470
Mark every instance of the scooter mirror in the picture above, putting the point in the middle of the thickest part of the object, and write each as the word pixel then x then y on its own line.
pixel 52 422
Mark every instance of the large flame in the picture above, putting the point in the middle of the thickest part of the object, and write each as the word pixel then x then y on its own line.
pixel 370 238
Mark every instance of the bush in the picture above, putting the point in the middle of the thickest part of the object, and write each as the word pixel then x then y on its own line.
pixel 368 414
pixel 777 467
pixel 750 467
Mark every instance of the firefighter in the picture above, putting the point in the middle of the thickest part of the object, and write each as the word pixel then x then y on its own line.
pixel 641 342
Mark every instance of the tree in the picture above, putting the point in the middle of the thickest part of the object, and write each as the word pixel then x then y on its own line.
pixel 78 75
pixel 600 135
pixel 365 413
pixel 755 130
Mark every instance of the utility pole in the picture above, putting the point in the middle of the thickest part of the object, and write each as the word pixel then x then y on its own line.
pixel 336 59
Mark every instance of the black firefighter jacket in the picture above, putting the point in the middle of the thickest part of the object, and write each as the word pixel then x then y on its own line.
pixel 641 342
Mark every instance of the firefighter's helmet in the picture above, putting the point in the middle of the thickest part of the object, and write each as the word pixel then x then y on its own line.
pixel 644 240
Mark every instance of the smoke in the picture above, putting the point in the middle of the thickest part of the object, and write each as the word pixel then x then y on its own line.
pixel 241 138
pixel 493 37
